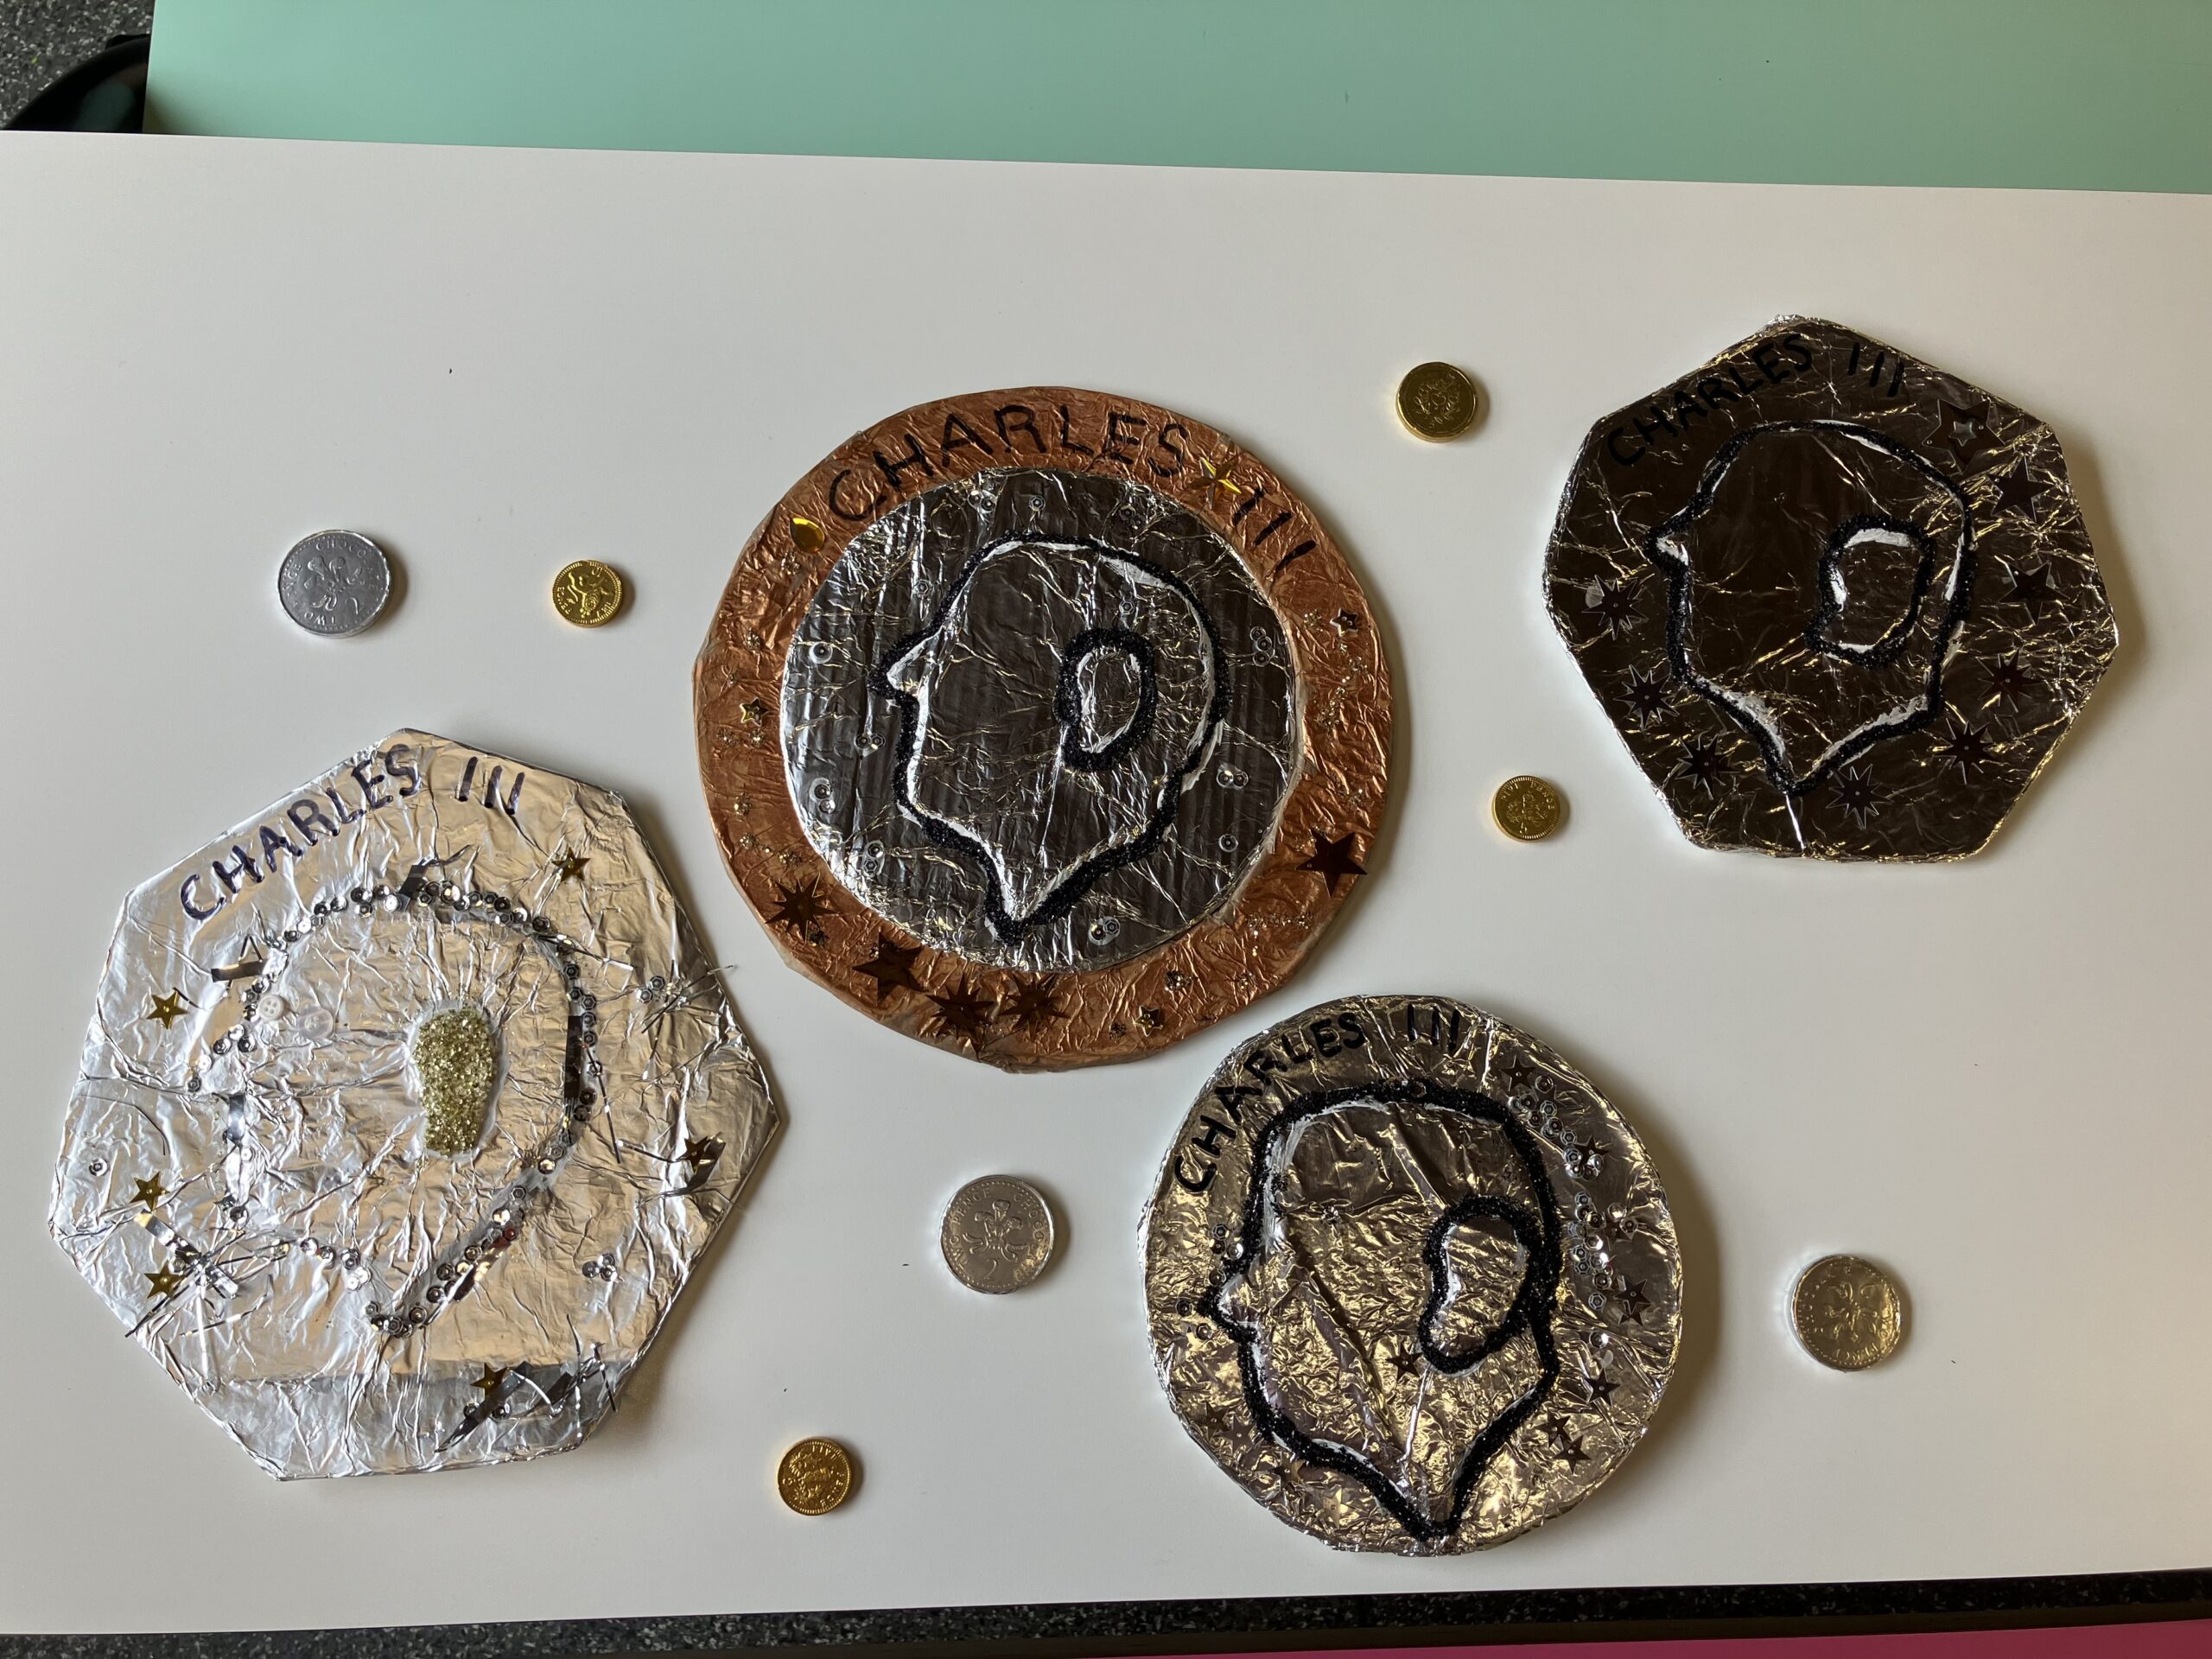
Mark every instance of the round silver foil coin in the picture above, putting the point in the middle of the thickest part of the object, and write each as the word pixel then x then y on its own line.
pixel 1412 1281
pixel 335 582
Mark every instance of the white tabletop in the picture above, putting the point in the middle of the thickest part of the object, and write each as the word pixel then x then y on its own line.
pixel 1985 1076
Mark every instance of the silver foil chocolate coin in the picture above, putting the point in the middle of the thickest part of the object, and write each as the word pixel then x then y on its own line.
pixel 335 582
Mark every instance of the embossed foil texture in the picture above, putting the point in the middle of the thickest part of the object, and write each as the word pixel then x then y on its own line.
pixel 1043 725
pixel 1838 603
pixel 1412 1281
pixel 1082 746
pixel 406 1110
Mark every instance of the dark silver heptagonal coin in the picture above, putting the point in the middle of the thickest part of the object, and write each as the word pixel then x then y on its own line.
pixel 335 582
pixel 1412 1281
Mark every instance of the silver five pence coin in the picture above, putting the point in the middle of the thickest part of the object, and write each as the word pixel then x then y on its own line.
pixel 997 1235
pixel 335 582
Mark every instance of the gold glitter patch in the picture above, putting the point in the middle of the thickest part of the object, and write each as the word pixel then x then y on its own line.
pixel 456 1058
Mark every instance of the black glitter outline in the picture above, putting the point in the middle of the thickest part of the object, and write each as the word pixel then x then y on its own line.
pixel 1531 1308
pixel 1070 888
pixel 1067 699
pixel 1677 577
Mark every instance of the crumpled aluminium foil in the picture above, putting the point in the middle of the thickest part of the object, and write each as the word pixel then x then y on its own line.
pixel 1413 1281
pixel 1010 797
pixel 426 947
pixel 1838 603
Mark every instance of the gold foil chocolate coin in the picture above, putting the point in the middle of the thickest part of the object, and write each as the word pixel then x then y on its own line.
pixel 1045 726
pixel 588 593
pixel 1527 809
pixel 1437 401
pixel 815 1477
pixel 1411 1282
pixel 1847 1314
pixel 997 1234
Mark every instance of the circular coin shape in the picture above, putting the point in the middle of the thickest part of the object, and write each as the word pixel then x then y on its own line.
pixel 997 1234
pixel 815 1477
pixel 1437 401
pixel 335 582
pixel 1045 726
pixel 1848 1313
pixel 1412 1281
pixel 588 593
pixel 1527 809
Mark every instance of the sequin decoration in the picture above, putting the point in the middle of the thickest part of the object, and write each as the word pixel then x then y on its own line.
pixel 442 1035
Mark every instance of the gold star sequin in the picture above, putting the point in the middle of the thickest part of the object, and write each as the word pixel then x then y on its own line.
pixel 150 1191
pixel 569 867
pixel 168 1009
pixel 1219 483
pixel 164 1282
pixel 490 1381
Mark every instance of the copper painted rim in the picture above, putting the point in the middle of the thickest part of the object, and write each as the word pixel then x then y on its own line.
pixel 1242 948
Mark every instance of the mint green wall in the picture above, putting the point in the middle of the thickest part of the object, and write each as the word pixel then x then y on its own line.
pixel 2099 93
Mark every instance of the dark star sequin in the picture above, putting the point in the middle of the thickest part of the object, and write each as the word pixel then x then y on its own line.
pixel 1614 606
pixel 2009 682
pixel 1966 748
pixel 1702 763
pixel 960 1013
pixel 2033 589
pixel 892 967
pixel 1957 426
pixel 1854 794
pixel 2017 492
pixel 799 907
pixel 1333 861
pixel 1032 1006
pixel 1647 697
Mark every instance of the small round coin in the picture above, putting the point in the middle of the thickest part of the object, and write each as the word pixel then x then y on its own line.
pixel 997 1235
pixel 815 1477
pixel 588 593
pixel 335 582
pixel 1437 401
pixel 1848 1313
pixel 1527 809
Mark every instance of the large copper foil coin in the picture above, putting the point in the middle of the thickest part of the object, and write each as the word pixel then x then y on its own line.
pixel 408 1108
pixel 1838 603
pixel 1412 1281
pixel 1045 726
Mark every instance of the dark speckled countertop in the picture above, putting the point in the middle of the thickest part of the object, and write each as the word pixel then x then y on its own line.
pixel 40 40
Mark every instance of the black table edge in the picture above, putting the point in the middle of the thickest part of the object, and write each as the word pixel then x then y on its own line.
pixel 1230 1625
